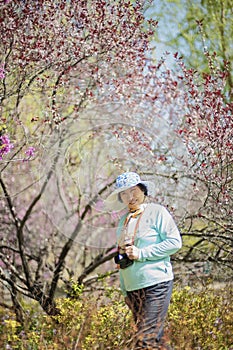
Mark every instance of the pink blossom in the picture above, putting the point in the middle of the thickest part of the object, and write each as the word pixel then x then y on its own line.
pixel 30 152
pixel 2 72
pixel 5 145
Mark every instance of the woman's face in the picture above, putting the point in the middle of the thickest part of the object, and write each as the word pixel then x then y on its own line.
pixel 132 197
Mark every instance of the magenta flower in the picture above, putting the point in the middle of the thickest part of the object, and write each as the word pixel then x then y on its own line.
pixel 5 145
pixel 30 152
pixel 2 72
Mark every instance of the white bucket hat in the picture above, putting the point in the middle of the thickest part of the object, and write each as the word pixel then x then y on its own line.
pixel 123 182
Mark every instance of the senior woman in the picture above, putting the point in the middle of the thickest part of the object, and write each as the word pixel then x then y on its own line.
pixel 147 236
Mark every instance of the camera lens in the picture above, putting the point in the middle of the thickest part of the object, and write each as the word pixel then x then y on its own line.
pixel 123 260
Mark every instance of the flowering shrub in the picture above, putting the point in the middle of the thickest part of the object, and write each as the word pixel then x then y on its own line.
pixel 201 320
pixel 198 320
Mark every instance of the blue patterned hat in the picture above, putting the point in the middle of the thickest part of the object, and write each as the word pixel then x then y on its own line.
pixel 123 182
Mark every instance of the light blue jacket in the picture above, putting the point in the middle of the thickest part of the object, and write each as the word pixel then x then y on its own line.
pixel 157 238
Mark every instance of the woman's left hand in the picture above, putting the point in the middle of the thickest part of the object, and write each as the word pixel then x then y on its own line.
pixel 132 252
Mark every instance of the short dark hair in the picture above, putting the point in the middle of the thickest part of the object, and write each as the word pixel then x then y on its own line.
pixel 142 187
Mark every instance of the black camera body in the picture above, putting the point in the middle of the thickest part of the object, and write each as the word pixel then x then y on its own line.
pixel 123 260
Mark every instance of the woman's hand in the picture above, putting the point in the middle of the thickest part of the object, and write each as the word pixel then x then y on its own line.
pixel 132 252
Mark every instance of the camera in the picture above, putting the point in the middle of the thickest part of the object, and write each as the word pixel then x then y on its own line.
pixel 123 260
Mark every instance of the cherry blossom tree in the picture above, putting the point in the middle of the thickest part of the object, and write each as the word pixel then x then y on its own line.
pixel 207 131
pixel 82 99
pixel 58 60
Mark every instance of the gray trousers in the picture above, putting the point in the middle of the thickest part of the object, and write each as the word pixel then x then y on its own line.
pixel 149 307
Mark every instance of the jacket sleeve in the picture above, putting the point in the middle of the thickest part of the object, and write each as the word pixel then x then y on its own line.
pixel 170 237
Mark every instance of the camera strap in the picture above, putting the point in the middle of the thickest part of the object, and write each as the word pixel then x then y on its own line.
pixel 134 215
pixel 127 219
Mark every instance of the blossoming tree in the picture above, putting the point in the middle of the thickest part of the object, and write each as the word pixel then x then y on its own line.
pixel 81 100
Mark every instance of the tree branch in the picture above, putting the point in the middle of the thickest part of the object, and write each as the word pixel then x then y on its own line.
pixel 99 260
